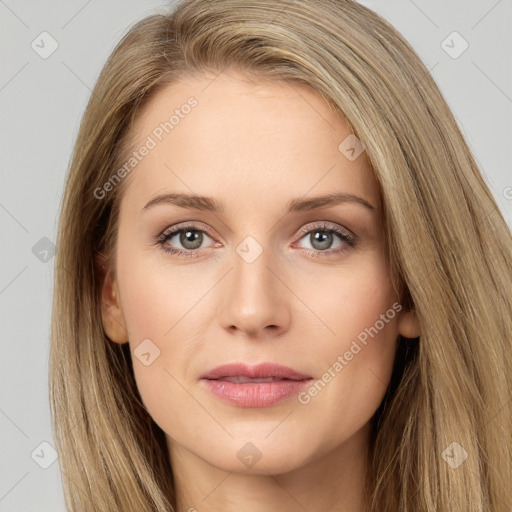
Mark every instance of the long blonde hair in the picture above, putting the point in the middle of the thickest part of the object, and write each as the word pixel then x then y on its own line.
pixel 450 251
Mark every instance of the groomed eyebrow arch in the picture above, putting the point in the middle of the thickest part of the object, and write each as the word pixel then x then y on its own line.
pixel 206 203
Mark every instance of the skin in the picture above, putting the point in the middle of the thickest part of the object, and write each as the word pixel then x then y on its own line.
pixel 254 146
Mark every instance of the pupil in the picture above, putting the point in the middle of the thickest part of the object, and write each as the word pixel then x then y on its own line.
pixel 191 239
pixel 322 240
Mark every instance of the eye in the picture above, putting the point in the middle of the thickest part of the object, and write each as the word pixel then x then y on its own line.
pixel 188 236
pixel 322 237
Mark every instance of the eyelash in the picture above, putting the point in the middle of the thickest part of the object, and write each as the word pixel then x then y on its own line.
pixel 351 241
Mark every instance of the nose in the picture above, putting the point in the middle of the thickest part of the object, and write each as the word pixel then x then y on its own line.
pixel 255 299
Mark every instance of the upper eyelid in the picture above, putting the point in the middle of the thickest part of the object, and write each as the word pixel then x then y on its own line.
pixel 179 227
pixel 327 226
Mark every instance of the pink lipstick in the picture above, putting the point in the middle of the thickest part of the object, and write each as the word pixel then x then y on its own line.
pixel 262 385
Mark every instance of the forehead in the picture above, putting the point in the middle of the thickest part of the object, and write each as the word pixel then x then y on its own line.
pixel 230 136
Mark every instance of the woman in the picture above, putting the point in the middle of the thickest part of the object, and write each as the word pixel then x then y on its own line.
pixel 203 357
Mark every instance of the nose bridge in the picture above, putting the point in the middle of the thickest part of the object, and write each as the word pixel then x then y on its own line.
pixel 251 276
pixel 251 269
pixel 254 297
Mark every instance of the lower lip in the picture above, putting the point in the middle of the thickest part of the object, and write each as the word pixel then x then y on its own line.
pixel 255 394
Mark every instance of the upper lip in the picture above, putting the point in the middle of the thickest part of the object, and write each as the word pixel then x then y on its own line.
pixel 254 372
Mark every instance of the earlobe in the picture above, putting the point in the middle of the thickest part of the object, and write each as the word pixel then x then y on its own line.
pixel 409 325
pixel 111 311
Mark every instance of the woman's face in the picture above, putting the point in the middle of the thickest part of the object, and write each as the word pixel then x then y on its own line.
pixel 272 275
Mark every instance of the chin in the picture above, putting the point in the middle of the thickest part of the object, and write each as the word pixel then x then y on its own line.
pixel 257 455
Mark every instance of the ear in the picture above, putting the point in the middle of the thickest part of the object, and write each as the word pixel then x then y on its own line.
pixel 408 324
pixel 111 312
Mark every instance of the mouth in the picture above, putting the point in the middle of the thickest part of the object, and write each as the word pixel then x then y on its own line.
pixel 254 386
pixel 242 379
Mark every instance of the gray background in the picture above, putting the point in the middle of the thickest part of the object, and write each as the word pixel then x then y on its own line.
pixel 42 101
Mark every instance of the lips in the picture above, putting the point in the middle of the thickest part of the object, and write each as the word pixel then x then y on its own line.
pixel 242 379
pixel 262 385
pixel 268 371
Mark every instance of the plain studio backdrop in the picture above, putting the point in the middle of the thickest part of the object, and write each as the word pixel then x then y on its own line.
pixel 52 53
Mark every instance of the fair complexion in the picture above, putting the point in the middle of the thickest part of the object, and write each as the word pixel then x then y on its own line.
pixel 254 148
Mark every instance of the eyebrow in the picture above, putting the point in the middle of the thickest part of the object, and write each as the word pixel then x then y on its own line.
pixel 206 203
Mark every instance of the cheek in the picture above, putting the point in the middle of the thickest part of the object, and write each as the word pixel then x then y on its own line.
pixel 353 376
pixel 156 297
pixel 346 301
pixel 355 353
pixel 165 310
pixel 155 304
